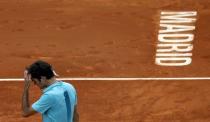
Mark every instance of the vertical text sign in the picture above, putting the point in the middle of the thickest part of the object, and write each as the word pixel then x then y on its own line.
pixel 174 47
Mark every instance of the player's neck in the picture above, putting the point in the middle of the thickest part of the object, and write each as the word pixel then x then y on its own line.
pixel 51 81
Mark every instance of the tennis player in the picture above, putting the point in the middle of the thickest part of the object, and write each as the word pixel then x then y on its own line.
pixel 58 102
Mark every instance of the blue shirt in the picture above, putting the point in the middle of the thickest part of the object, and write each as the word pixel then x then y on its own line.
pixel 57 103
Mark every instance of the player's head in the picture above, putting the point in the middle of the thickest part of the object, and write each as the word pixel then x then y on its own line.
pixel 40 72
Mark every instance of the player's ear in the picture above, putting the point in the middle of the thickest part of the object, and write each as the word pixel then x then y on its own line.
pixel 43 79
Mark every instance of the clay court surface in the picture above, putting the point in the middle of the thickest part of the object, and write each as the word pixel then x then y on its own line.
pixel 104 38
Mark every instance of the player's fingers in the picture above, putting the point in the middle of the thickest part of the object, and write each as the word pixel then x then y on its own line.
pixel 25 73
pixel 29 77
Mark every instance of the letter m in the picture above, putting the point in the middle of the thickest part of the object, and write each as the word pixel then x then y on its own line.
pixel 178 17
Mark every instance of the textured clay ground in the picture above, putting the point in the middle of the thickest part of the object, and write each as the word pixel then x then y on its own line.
pixel 104 38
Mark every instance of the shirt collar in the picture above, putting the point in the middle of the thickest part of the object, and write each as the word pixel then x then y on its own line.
pixel 57 83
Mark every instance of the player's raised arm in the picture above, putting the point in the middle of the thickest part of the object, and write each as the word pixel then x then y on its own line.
pixel 26 109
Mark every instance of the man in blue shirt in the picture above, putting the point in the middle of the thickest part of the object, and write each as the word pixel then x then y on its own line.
pixel 58 102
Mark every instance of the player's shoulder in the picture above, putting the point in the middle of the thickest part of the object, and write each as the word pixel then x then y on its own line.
pixel 53 89
pixel 68 86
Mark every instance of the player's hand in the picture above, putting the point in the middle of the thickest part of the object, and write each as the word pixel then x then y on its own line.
pixel 27 78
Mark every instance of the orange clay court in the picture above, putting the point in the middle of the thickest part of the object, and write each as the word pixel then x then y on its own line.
pixel 105 38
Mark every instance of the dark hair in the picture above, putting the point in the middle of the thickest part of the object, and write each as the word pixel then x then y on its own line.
pixel 40 68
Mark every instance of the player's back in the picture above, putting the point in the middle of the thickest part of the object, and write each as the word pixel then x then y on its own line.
pixel 70 97
pixel 52 104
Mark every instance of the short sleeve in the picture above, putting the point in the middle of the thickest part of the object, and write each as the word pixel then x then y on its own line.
pixel 43 104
